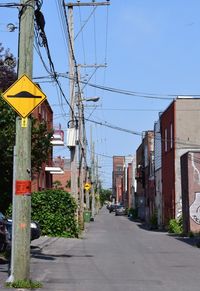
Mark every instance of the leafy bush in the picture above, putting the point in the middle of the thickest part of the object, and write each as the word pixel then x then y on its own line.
pixel 55 211
pixel 154 219
pixel 176 226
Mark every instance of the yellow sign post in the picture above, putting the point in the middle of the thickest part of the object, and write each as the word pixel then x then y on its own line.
pixel 24 96
pixel 87 186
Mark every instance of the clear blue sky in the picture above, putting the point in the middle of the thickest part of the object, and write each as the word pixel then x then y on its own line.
pixel 150 47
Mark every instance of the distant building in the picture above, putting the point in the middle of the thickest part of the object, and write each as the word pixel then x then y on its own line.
pixel 145 194
pixel 140 184
pixel 118 174
pixel 62 179
pixel 158 173
pixel 131 184
pixel 180 133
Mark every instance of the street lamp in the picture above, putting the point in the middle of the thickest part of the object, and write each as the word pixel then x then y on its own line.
pixel 11 27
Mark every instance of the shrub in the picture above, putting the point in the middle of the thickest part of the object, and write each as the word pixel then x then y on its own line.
pixel 154 219
pixel 55 211
pixel 176 226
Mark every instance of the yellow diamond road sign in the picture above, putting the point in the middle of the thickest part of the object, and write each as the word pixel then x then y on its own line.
pixel 24 96
pixel 87 186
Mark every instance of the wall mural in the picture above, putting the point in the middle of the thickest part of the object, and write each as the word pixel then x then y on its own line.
pixel 195 206
pixel 195 209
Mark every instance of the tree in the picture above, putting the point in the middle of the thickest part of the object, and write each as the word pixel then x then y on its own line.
pixel 41 137
pixel 104 195
pixel 40 145
pixel 7 73
pixel 7 140
pixel 7 130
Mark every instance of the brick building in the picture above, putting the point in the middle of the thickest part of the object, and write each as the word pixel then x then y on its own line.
pixel 118 181
pixel 43 179
pixel 145 177
pixel 180 133
pixel 63 178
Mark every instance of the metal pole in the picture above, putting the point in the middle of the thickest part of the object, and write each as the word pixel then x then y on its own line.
pixel 22 197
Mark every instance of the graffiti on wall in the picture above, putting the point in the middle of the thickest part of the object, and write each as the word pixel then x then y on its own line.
pixel 195 209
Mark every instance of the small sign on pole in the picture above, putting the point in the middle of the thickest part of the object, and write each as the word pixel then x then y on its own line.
pixel 87 186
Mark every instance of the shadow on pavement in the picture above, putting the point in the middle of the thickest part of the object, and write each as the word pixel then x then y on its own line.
pixel 37 253
pixel 192 241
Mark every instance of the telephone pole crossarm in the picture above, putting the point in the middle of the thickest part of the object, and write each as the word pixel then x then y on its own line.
pixel 88 4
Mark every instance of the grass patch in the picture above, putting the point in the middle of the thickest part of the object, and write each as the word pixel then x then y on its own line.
pixel 28 284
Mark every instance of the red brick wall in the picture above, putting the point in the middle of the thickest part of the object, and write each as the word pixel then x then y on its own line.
pixel 63 178
pixel 118 177
pixel 44 179
pixel 129 183
pixel 168 164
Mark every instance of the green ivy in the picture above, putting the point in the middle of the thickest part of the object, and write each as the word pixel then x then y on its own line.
pixel 176 226
pixel 55 211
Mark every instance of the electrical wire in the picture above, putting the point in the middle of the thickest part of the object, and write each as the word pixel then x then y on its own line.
pixel 82 38
pixel 10 5
pixel 95 40
pixel 85 22
pixel 41 32
pixel 130 93
pixel 62 22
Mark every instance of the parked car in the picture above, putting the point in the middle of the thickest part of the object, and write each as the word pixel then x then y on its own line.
pixel 120 210
pixel 112 207
pixel 35 229
pixel 5 238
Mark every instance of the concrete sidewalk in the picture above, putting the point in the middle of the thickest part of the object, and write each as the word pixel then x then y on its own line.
pixel 41 250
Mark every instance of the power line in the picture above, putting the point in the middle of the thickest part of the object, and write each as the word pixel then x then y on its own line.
pixel 85 22
pixel 40 32
pixel 114 127
pixel 130 93
pixel 11 5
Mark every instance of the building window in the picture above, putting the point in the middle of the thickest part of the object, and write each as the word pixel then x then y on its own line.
pixel 171 136
pixel 119 168
pixel 165 139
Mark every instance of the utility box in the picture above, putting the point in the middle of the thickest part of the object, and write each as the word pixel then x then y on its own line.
pixel 190 182
pixel 72 137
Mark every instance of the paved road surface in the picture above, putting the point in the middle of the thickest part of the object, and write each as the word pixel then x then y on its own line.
pixel 116 254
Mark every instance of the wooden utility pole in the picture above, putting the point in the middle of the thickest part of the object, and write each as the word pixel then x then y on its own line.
pixel 72 77
pixel 81 156
pixel 97 184
pixel 22 196
pixel 73 149
pixel 92 175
